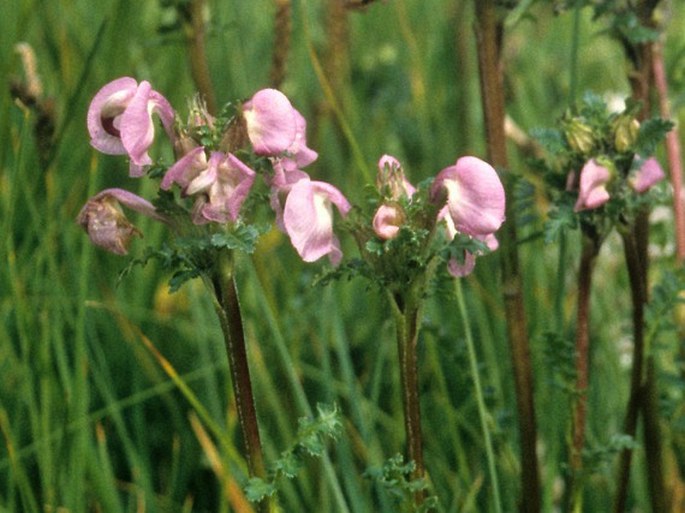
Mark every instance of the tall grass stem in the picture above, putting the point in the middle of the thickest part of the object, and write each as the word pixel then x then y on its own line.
pixel 482 410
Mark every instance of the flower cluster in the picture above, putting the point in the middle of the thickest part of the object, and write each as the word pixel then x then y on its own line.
pixel 219 158
pixel 608 155
pixel 207 169
pixel 465 199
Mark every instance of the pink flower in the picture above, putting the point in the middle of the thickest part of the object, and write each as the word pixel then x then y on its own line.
pixel 120 120
pixel 276 129
pixel 454 266
pixel 271 122
pixel 474 195
pixel 592 191
pixel 106 223
pixel 649 174
pixel 387 221
pixel 222 183
pixel 308 219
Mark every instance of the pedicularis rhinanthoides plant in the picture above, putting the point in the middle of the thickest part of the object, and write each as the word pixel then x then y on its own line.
pixel 404 233
pixel 599 177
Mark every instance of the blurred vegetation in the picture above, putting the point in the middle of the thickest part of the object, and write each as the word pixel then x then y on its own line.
pixel 89 419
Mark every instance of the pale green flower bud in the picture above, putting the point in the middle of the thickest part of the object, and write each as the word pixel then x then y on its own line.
pixel 626 129
pixel 579 136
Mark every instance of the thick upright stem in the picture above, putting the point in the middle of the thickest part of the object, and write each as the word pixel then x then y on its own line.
pixel 228 311
pixel 489 31
pixel 642 80
pixel 407 324
pixel 673 150
pixel 638 294
pixel 587 261
pixel 279 56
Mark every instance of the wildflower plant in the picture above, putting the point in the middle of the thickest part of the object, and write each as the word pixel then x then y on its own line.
pixel 601 175
pixel 407 237
pixel 208 201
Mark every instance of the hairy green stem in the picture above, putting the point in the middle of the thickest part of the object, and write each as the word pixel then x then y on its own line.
pixel 482 411
pixel 590 250
pixel 228 310
pixel 489 33
pixel 407 321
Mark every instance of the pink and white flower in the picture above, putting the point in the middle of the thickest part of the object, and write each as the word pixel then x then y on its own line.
pixel 474 195
pixel 649 174
pixel 276 129
pixel 271 122
pixel 307 218
pixel 592 192
pixel 221 184
pixel 120 120
pixel 388 220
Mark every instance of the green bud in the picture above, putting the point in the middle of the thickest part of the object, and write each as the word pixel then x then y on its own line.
pixel 579 136
pixel 626 129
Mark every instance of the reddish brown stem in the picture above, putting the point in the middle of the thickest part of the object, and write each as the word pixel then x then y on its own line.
pixel 673 150
pixel 407 318
pixel 489 32
pixel 199 67
pixel 228 311
pixel 281 48
pixel 589 254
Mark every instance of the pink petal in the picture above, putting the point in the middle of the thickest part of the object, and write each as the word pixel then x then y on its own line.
pixel 475 196
pixel 592 191
pixel 207 177
pixel 226 183
pixel 137 128
pixel 271 122
pixel 459 270
pixel 387 221
pixel 104 115
pixel 286 173
pixel 301 154
pixel 649 174
pixel 185 169
pixel 308 219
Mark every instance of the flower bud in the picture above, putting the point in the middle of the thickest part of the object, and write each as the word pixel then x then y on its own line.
pixel 107 225
pixel 626 129
pixel 579 136
pixel 388 220
pixel 391 181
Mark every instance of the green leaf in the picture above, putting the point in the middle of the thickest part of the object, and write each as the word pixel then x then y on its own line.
pixel 560 219
pixel 257 489
pixel 551 139
pixel 652 132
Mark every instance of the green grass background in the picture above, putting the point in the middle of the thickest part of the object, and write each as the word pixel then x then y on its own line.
pixel 90 421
